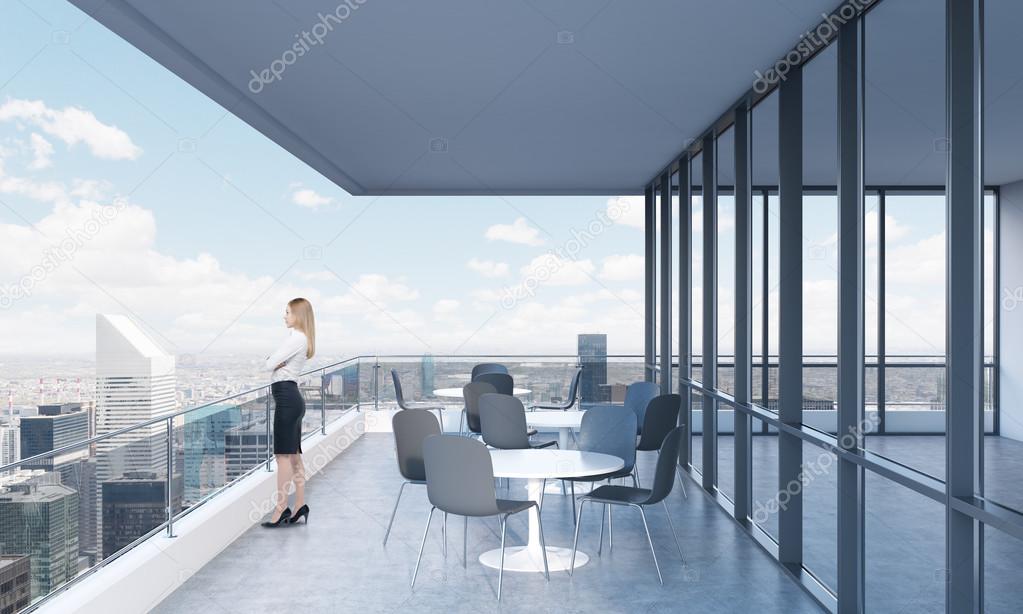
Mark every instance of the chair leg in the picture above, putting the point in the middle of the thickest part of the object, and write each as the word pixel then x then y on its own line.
pixel 635 473
pixel 500 574
pixel 465 540
pixel 444 534
pixel 543 488
pixel 440 418
pixel 543 545
pixel 461 422
pixel 651 542
pixel 635 481
pixel 572 486
pixel 610 530
pixel 575 541
pixel 682 483
pixel 600 545
pixel 421 546
pixel 673 534
pixel 393 512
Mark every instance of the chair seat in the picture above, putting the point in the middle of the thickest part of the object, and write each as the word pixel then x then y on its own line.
pixel 619 494
pixel 512 506
pixel 621 473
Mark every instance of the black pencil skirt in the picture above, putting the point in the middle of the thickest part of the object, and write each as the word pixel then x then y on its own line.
pixel 289 409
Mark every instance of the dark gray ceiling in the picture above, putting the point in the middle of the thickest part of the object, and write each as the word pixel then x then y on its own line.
pixel 518 111
pixel 562 96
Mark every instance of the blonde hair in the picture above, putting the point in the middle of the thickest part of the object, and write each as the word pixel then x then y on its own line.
pixel 305 322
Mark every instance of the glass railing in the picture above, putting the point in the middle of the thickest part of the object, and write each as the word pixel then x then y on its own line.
pixel 67 512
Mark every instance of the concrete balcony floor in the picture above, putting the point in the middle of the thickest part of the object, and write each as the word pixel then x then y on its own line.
pixel 337 562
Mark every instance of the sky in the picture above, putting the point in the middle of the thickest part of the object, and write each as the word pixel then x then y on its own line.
pixel 124 190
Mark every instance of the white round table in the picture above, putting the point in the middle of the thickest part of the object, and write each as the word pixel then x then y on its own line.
pixel 536 466
pixel 563 421
pixel 456 393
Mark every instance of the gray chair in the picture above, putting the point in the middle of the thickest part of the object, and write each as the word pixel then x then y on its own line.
pixel 637 395
pixel 660 418
pixel 503 423
pixel 608 430
pixel 411 427
pixel 501 381
pixel 664 478
pixel 402 403
pixel 573 392
pixel 471 392
pixel 487 367
pixel 460 481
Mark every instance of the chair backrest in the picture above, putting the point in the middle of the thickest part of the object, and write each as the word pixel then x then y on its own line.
pixel 503 422
pixel 501 381
pixel 667 464
pixel 459 476
pixel 411 427
pixel 609 430
pixel 637 396
pixel 487 367
pixel 661 417
pixel 397 389
pixel 471 392
pixel 573 388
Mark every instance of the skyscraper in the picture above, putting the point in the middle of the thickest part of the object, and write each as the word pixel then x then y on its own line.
pixel 205 466
pixel 426 375
pixel 133 505
pixel 55 426
pixel 135 380
pixel 41 520
pixel 593 358
pixel 15 582
pixel 10 443
pixel 245 446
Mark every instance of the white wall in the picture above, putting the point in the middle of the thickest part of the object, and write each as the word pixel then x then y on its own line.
pixel 1011 313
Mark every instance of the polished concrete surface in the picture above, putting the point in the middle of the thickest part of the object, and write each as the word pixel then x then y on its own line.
pixel 337 562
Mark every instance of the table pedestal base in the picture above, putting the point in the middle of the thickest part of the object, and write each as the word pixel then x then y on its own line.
pixel 524 558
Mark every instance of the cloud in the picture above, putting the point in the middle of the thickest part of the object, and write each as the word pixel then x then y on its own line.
pixel 622 267
pixel 317 276
pixel 445 307
pixel 41 152
pixel 553 270
pixel 627 210
pixel 488 268
pixel 517 232
pixel 305 197
pixel 73 125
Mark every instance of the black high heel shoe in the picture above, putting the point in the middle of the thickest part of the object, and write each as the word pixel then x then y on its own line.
pixel 302 511
pixel 285 515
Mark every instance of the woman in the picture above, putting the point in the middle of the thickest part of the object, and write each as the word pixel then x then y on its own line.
pixel 286 365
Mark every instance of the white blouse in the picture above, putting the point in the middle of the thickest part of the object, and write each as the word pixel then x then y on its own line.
pixel 292 354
